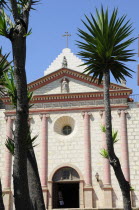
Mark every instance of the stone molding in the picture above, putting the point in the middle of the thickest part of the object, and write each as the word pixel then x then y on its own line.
pixel 65 165
pixel 69 73
pixel 108 186
pixel 95 96
pixel 86 188
pixel 70 109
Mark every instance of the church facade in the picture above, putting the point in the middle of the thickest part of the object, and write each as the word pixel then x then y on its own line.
pixel 67 115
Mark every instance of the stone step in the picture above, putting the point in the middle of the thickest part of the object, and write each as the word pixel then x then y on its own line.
pixel 93 209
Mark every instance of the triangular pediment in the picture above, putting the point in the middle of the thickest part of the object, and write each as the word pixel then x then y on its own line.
pixel 78 83
pixel 81 88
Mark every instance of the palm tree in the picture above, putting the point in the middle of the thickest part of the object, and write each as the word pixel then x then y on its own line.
pixel 16 30
pixel 104 50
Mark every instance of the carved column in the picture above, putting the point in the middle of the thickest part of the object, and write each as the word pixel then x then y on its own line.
pixel 124 145
pixel 44 155
pixel 8 165
pixel 88 191
pixel 106 170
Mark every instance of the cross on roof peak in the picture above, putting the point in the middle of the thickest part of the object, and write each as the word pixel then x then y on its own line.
pixel 67 35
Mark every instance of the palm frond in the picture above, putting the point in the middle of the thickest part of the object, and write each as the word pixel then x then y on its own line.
pixel 30 142
pixel 104 153
pixel 3 4
pixel 9 84
pixel 24 3
pixel 4 29
pixel 114 136
pixel 28 33
pixel 10 145
pixel 104 46
pixel 4 64
pixel 103 128
pixel 114 133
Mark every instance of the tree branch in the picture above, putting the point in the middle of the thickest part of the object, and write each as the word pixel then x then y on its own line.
pixel 14 9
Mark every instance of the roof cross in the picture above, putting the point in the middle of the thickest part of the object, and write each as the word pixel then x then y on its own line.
pixel 67 38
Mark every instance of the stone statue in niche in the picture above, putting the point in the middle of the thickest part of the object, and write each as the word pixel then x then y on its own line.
pixel 64 62
pixel 65 85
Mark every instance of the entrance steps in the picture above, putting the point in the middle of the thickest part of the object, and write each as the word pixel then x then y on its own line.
pixel 94 209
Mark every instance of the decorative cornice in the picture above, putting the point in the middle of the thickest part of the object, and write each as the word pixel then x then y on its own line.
pixel 75 96
pixel 83 109
pixel 78 96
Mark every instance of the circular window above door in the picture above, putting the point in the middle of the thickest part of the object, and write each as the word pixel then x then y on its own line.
pixel 64 125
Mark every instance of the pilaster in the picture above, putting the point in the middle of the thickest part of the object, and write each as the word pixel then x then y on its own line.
pixel 124 144
pixel 106 170
pixel 88 190
pixel 44 156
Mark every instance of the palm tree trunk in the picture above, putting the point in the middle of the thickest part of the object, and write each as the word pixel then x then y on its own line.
pixel 27 187
pixel 1 198
pixel 21 191
pixel 35 190
pixel 114 161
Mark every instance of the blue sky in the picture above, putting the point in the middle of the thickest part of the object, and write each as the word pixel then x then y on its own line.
pixel 54 17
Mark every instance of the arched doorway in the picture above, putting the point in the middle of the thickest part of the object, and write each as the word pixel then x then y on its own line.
pixel 65 191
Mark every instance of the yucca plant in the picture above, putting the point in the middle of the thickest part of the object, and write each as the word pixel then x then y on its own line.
pixel 104 49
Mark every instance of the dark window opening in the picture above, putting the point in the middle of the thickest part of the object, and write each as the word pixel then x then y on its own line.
pixel 66 130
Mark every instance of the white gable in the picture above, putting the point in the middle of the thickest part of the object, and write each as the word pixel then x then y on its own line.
pixel 75 86
pixel 73 62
